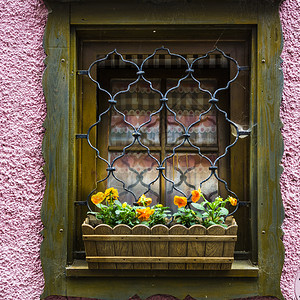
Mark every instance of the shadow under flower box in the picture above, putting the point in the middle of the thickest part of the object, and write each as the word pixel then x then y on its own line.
pixel 160 247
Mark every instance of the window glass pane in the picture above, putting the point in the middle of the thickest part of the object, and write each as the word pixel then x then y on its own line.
pixel 137 104
pixel 137 171
pixel 188 102
pixel 187 170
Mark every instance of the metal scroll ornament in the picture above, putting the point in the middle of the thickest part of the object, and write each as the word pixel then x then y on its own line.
pixel 141 75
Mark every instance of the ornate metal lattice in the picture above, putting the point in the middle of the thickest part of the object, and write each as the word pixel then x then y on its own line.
pixel 141 73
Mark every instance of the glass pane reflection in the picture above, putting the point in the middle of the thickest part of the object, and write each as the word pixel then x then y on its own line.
pixel 187 170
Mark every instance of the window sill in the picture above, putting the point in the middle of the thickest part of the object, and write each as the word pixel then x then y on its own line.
pixel 240 268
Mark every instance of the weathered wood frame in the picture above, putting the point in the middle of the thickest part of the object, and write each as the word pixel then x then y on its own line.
pixel 200 39
pixel 59 145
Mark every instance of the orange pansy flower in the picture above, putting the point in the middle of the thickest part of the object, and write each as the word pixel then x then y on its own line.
pixel 143 201
pixel 180 201
pixel 144 213
pixel 196 194
pixel 98 198
pixel 233 201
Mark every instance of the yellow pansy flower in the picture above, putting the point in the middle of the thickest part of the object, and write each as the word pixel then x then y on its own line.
pixel 143 201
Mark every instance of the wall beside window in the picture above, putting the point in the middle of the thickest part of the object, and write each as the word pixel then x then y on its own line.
pixel 290 116
pixel 22 113
pixel 23 110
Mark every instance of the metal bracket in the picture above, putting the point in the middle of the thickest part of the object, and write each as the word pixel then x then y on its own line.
pixel 82 72
pixel 81 136
pixel 244 203
pixel 80 203
pixel 244 132
pixel 244 68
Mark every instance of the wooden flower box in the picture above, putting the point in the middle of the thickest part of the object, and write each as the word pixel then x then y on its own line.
pixel 159 247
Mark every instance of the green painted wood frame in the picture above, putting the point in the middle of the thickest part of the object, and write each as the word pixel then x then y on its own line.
pixel 60 158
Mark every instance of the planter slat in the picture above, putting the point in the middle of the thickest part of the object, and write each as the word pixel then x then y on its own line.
pixel 141 248
pixel 90 247
pixel 214 249
pixel 229 246
pixel 160 248
pixel 178 248
pixel 105 248
pixel 173 260
pixel 160 237
pixel 196 248
pixel 123 248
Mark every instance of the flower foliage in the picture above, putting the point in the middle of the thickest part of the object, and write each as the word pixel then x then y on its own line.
pixel 187 216
pixel 206 213
pixel 113 212
pixel 214 213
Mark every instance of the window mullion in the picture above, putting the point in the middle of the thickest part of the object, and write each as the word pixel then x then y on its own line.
pixel 163 139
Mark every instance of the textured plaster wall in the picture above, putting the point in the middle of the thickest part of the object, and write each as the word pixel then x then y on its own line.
pixel 290 116
pixel 22 111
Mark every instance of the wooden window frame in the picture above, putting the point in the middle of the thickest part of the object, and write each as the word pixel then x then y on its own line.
pixel 69 19
pixel 237 47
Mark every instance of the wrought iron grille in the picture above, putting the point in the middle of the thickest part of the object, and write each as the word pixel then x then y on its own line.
pixel 139 63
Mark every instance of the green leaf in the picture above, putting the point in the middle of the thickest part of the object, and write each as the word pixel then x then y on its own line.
pixel 205 215
pixel 199 215
pixel 199 206
pixel 117 202
pixel 223 211
pixel 210 205
pixel 210 223
pixel 100 205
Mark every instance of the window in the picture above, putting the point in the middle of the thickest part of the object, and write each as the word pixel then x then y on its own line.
pixel 77 33
pixel 212 135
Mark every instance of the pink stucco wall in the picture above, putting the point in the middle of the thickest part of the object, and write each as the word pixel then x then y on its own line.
pixel 290 116
pixel 23 109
